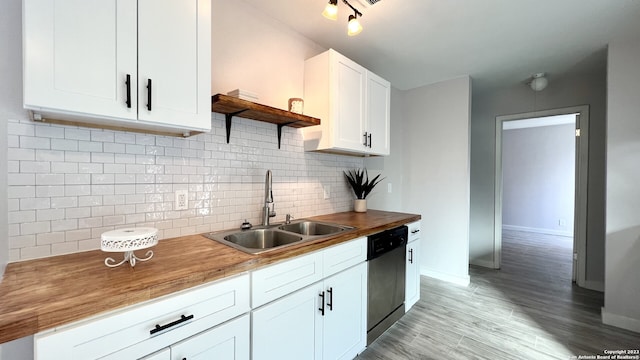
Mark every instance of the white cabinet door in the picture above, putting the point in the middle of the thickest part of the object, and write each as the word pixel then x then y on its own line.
pixel 348 96
pixel 229 341
pixel 345 320
pixel 289 328
pixel 352 103
pixel 78 54
pixel 412 287
pixel 378 110
pixel 164 354
pixel 175 60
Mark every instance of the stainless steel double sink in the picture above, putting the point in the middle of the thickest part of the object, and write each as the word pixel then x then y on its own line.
pixel 261 239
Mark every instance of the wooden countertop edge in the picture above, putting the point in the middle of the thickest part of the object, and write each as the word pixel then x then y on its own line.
pixel 36 318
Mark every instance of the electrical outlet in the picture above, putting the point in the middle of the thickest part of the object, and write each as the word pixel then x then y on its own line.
pixel 389 188
pixel 327 191
pixel 562 222
pixel 182 200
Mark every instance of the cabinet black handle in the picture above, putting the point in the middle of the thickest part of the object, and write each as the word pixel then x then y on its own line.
pixel 128 82
pixel 415 231
pixel 149 94
pixel 322 302
pixel 159 328
pixel 410 256
pixel 330 303
pixel 369 139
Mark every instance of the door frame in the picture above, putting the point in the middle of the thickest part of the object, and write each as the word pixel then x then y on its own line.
pixel 581 180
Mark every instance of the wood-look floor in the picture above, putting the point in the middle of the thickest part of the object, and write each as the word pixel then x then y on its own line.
pixel 527 310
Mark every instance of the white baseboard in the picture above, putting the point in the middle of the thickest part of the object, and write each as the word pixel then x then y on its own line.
pixel 538 230
pixel 456 279
pixel 594 285
pixel 620 321
pixel 483 263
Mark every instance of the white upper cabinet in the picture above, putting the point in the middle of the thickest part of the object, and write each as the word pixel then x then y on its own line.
pixel 353 105
pixel 378 112
pixel 92 61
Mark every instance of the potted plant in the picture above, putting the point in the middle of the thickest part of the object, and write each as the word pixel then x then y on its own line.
pixel 362 186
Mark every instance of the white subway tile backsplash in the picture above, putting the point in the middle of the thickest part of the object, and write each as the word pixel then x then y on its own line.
pixel 90 146
pixel 64 167
pixel 49 132
pixel 64 225
pixel 30 142
pixel 77 179
pixel 49 238
pixel 77 134
pixel 62 202
pixel 36 227
pixel 21 154
pixel 67 185
pixel 79 157
pixel 104 136
pixel 63 144
pixel 35 252
pixel 49 179
pixel 77 190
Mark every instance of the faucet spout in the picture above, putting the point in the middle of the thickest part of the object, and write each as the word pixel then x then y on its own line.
pixel 268 199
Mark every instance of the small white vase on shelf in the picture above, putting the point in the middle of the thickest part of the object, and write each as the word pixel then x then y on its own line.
pixel 360 205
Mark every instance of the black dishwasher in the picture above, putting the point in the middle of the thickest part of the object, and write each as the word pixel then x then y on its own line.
pixel 386 253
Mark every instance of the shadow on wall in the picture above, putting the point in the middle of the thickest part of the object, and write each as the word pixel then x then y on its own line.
pixel 623 264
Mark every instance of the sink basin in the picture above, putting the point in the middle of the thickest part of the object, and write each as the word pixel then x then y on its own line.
pixel 313 228
pixel 257 241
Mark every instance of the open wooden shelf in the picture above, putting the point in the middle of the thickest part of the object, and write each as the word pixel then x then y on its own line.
pixel 231 106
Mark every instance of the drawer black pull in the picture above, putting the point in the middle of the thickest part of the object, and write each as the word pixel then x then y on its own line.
pixel 415 231
pixel 128 83
pixel 322 302
pixel 410 256
pixel 159 328
pixel 330 303
pixel 149 94
pixel 369 139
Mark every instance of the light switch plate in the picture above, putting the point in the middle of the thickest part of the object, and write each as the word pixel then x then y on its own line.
pixel 327 191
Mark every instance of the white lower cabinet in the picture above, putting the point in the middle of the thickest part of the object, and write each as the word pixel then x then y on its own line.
pixel 229 341
pixel 164 354
pixel 326 320
pixel 344 331
pixel 412 281
pixel 288 328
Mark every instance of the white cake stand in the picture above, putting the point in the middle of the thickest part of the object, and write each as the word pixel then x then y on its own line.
pixel 127 241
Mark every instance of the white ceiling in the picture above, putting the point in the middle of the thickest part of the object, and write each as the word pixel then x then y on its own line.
pixel 497 42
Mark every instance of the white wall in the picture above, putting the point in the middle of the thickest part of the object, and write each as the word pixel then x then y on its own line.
pixel 436 174
pixel 622 288
pixel 392 166
pixel 254 52
pixel 10 99
pixel 538 179
pixel 565 91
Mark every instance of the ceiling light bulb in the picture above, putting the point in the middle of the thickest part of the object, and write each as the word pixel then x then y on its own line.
pixel 539 82
pixel 331 10
pixel 354 27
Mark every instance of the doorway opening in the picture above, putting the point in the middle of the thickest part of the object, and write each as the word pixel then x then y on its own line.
pixel 541 180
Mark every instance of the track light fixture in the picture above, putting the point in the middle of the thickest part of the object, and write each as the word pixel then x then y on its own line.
pixel 331 12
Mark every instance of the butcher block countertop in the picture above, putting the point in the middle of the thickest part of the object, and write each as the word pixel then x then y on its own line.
pixel 40 294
